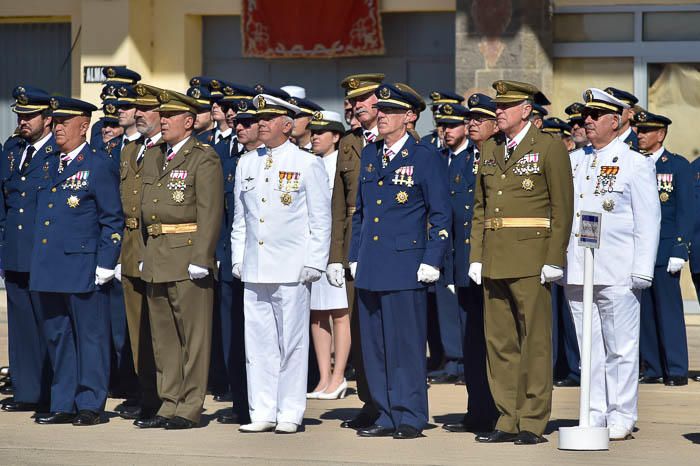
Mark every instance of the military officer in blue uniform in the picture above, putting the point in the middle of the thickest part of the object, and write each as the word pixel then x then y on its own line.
pixel 481 412
pixel 695 241
pixel 575 120
pixel 115 77
pixel 440 98
pixel 626 134
pixel 97 131
pixel 538 114
pixel 24 170
pixel 393 259
pixel 301 134
pixel 76 247
pixel 451 121
pixel 203 127
pixel 663 342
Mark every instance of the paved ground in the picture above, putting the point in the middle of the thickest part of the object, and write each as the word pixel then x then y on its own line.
pixel 669 431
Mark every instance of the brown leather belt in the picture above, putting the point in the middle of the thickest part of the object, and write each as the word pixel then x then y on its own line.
pixel 132 223
pixel 164 229
pixel 520 222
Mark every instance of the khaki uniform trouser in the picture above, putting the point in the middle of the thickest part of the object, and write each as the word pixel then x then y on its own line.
pixel 181 320
pixel 518 329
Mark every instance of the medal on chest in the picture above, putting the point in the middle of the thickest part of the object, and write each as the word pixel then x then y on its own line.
pixel 664 183
pixel 605 182
pixel 177 185
pixel 288 183
pixel 403 176
pixel 77 181
pixel 73 201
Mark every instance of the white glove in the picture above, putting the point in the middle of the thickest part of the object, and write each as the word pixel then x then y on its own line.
pixel 218 264
pixel 335 273
pixel 550 273
pixel 475 272
pixel 141 266
pixel 452 289
pixel 353 269
pixel 640 283
pixel 675 264
pixel 427 273
pixel 196 272
pixel 103 276
pixel 309 275
pixel 236 270
pixel 118 272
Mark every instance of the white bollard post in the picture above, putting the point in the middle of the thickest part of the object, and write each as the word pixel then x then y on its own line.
pixel 585 437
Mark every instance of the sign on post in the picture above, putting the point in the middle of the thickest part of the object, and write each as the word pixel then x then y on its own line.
pixel 589 233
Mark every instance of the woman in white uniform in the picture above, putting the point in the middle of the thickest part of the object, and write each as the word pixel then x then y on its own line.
pixel 329 302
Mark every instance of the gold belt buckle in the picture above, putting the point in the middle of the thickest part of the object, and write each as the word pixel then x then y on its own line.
pixel 155 229
pixel 496 223
pixel 132 223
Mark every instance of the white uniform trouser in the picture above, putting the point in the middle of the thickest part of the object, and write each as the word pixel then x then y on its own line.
pixel 614 352
pixel 277 350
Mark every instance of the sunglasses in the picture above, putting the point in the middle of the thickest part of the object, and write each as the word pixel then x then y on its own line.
pixel 594 113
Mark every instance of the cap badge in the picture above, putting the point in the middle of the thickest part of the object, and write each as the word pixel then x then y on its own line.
pixel 384 93
pixel 501 87
pixel 53 103
pixel 642 116
pixel 20 90
pixel 609 91
pixel 111 72
pixel 242 105
pixel 353 83
pixel 227 90
pixel 473 100
pixel 215 84
pixel 195 82
pixel 196 93
pixel 261 103
pixel 110 108
pixel 259 88
pixel 318 116
pixel 22 99
pixel 140 90
pixel 447 109
pixel 163 97
pixel 123 92
pixel 435 95
pixel 589 95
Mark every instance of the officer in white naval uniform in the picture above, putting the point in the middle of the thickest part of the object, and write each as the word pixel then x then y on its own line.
pixel 279 242
pixel 620 183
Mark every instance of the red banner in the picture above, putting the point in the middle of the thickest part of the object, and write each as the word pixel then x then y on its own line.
pixel 311 28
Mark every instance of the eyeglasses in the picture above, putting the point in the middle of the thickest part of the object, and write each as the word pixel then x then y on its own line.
pixel 593 113
pixel 479 120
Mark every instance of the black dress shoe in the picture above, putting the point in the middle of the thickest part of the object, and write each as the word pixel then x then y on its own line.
pixel 443 379
pixel 406 432
pixel 230 418
pixel 649 380
pixel 129 411
pixel 87 418
pixel 497 436
pixel 6 388
pixel 697 378
pixel 178 423
pixel 528 438
pixel 375 431
pixel 17 406
pixel 55 418
pixel 361 421
pixel 151 422
pixel 676 381
pixel 470 424
pixel 567 382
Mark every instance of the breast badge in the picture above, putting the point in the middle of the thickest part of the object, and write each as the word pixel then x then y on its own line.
pixel 608 205
pixel 179 197
pixel 402 197
pixel 286 198
pixel 528 184
pixel 73 201
pixel 664 197
pixel 369 168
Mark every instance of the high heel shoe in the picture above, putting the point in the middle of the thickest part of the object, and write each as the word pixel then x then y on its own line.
pixel 314 395
pixel 337 394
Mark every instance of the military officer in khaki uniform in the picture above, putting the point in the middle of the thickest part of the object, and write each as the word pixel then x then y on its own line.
pixel 359 91
pixel 181 210
pixel 523 211
pixel 133 245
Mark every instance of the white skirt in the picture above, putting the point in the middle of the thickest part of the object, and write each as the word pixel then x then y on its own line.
pixel 326 297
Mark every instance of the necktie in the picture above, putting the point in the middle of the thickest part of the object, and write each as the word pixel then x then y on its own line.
pixel 369 136
pixel 169 157
pixel 147 144
pixel 28 158
pixel 386 158
pixel 510 149
pixel 65 158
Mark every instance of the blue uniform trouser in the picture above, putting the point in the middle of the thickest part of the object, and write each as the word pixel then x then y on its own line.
pixel 123 379
pixel 663 342
pixel 77 333
pixel 29 361
pixel 452 323
pixel 220 338
pixel 394 331
pixel 696 282
pixel 235 349
pixel 565 356
pixel 480 404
